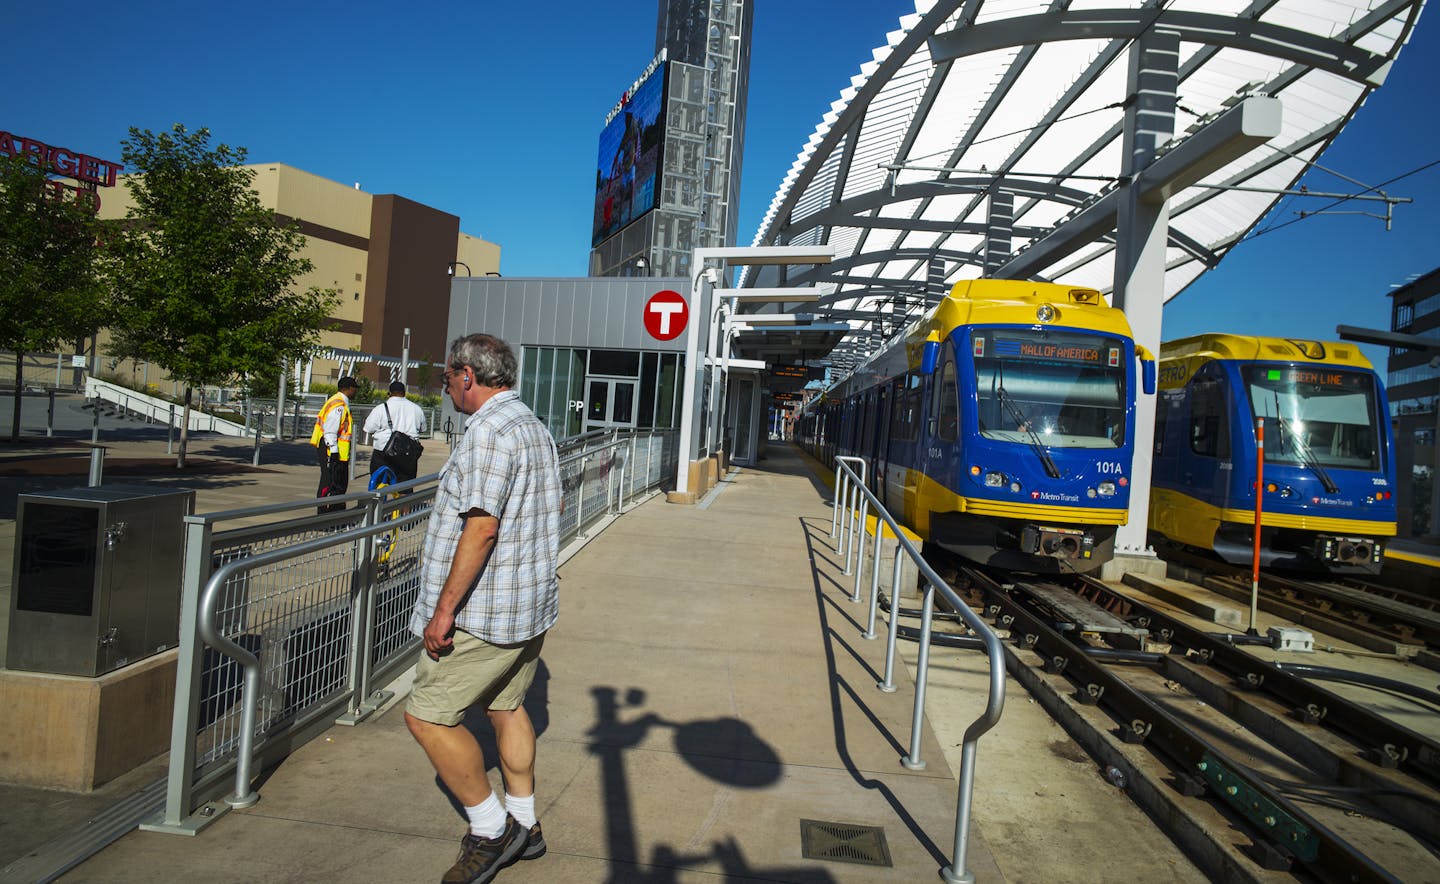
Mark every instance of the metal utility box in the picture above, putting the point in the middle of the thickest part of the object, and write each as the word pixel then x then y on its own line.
pixel 96 583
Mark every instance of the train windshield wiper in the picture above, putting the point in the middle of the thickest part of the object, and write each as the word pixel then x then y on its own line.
pixel 1307 457
pixel 1022 422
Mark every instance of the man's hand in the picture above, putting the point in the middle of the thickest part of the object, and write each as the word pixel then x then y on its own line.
pixel 439 634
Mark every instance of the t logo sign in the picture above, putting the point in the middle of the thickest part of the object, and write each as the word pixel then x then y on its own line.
pixel 665 315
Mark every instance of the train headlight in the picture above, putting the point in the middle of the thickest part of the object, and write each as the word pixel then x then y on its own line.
pixel 1106 489
pixel 1046 313
pixel 994 479
pixel 1015 487
pixel 1090 492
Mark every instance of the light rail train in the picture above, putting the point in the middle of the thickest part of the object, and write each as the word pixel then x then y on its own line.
pixel 1329 473
pixel 999 426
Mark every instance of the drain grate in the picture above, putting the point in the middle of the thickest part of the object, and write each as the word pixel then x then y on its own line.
pixel 843 842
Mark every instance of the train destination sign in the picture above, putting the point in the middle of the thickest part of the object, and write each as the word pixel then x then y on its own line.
pixel 1065 351
pixel 1317 377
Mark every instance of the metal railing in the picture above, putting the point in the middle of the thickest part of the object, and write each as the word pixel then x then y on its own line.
pixel 288 620
pixel 855 500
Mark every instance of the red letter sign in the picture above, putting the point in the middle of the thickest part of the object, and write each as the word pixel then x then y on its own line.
pixel 665 315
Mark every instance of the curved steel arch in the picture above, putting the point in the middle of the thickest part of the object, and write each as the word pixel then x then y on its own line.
pixel 1298 45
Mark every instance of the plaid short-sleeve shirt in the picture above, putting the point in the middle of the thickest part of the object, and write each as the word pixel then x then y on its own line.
pixel 506 465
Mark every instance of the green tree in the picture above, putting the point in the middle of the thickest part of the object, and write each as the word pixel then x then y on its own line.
pixel 204 273
pixel 49 289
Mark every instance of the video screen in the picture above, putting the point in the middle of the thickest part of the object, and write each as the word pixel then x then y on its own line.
pixel 629 161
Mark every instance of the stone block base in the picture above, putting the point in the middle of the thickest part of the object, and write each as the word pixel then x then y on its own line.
pixel 75 733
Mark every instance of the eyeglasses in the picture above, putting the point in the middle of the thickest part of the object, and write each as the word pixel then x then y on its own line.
pixel 453 372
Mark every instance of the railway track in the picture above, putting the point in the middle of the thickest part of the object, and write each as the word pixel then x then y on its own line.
pixel 1404 622
pixel 1214 741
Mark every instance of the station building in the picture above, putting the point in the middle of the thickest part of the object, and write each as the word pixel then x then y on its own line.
pixel 1413 388
pixel 389 257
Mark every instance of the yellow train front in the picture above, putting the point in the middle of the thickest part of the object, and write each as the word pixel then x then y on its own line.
pixel 1329 474
pixel 999 426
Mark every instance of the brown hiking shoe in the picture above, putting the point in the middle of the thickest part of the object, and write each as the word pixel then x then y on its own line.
pixel 481 859
pixel 535 847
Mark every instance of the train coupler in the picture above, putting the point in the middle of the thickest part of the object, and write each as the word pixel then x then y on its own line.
pixel 1348 550
pixel 1059 543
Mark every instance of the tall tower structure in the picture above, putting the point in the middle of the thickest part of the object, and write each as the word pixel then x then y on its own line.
pixel 668 176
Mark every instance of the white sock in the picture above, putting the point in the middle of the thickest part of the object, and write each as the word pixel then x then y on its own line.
pixel 487 819
pixel 523 809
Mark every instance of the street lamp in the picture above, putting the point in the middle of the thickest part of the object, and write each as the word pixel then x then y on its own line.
pixel 450 270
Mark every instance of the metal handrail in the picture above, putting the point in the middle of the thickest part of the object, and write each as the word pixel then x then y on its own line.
pixel 210 631
pixel 956 872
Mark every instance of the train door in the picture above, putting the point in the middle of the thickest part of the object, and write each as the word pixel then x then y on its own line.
pixel 881 442
pixel 904 433
pixel 1209 469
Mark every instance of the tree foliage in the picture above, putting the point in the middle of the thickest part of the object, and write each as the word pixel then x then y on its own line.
pixel 204 273
pixel 49 292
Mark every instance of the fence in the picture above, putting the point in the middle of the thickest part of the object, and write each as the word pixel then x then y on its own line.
pixel 289 620
pixel 853 501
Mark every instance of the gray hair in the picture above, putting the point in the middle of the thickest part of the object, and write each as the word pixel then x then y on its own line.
pixel 491 358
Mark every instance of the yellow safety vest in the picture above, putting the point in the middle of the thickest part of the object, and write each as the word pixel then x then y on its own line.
pixel 317 438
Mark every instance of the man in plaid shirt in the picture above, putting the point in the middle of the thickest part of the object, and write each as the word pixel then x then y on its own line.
pixel 488 593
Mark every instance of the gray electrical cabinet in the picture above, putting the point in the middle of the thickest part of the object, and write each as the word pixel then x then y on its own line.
pixel 96 583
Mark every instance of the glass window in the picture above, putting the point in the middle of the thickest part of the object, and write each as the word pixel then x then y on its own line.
pixel 544 384
pixel 616 363
pixel 1065 388
pixel 575 418
pixel 1209 419
pixel 1315 415
pixel 947 401
pixel 529 370
pixel 665 398
pixel 645 414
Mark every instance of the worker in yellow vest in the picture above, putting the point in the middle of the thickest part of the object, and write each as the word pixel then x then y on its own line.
pixel 331 438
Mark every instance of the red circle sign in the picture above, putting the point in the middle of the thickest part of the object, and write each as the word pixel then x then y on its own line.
pixel 665 315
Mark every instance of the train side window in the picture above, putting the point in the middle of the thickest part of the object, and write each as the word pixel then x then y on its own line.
pixel 946 406
pixel 1162 420
pixel 1209 424
pixel 905 423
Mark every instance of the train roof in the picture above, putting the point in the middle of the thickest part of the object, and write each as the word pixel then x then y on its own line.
pixel 1017 301
pixel 1250 348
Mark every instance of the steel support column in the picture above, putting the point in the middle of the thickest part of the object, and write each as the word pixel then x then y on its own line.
pixel 1141 235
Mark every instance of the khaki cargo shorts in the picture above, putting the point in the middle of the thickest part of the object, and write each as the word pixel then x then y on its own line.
pixel 474 671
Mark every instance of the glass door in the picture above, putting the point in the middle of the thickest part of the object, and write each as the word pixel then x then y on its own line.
pixel 609 402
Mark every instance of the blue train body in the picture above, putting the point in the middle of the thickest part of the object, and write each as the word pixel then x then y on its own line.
pixel 1329 472
pixel 1015 449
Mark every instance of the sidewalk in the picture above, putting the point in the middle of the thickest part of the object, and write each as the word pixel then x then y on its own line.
pixel 703 693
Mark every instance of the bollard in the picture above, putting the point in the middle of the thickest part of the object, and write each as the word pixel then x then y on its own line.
pixel 50 414
pixel 255 458
pixel 97 465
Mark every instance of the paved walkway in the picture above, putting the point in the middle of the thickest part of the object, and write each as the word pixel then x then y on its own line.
pixel 703 693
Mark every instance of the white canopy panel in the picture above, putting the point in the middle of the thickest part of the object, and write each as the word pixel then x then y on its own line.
pixel 972 98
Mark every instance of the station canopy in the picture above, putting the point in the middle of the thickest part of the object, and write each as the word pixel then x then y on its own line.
pixel 984 128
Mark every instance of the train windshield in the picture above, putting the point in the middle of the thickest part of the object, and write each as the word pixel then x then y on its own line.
pixel 1050 389
pixel 1315 417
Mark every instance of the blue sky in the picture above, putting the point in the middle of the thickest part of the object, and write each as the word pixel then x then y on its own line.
pixel 492 112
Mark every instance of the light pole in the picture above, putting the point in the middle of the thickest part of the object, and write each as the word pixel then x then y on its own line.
pixel 405 360
pixel 450 270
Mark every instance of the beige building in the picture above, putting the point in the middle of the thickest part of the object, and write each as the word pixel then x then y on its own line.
pixel 389 257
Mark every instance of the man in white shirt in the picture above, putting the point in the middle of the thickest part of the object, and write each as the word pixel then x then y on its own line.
pixel 395 415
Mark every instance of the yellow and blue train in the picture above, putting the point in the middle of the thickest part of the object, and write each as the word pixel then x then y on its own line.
pixel 999 426
pixel 1329 473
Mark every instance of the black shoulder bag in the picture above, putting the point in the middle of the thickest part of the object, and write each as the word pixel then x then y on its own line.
pixel 401 450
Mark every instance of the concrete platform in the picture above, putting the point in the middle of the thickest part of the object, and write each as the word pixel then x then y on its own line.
pixel 705 690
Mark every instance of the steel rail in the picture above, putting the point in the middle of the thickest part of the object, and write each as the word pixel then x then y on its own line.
pixel 1388 743
pixel 1274 818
